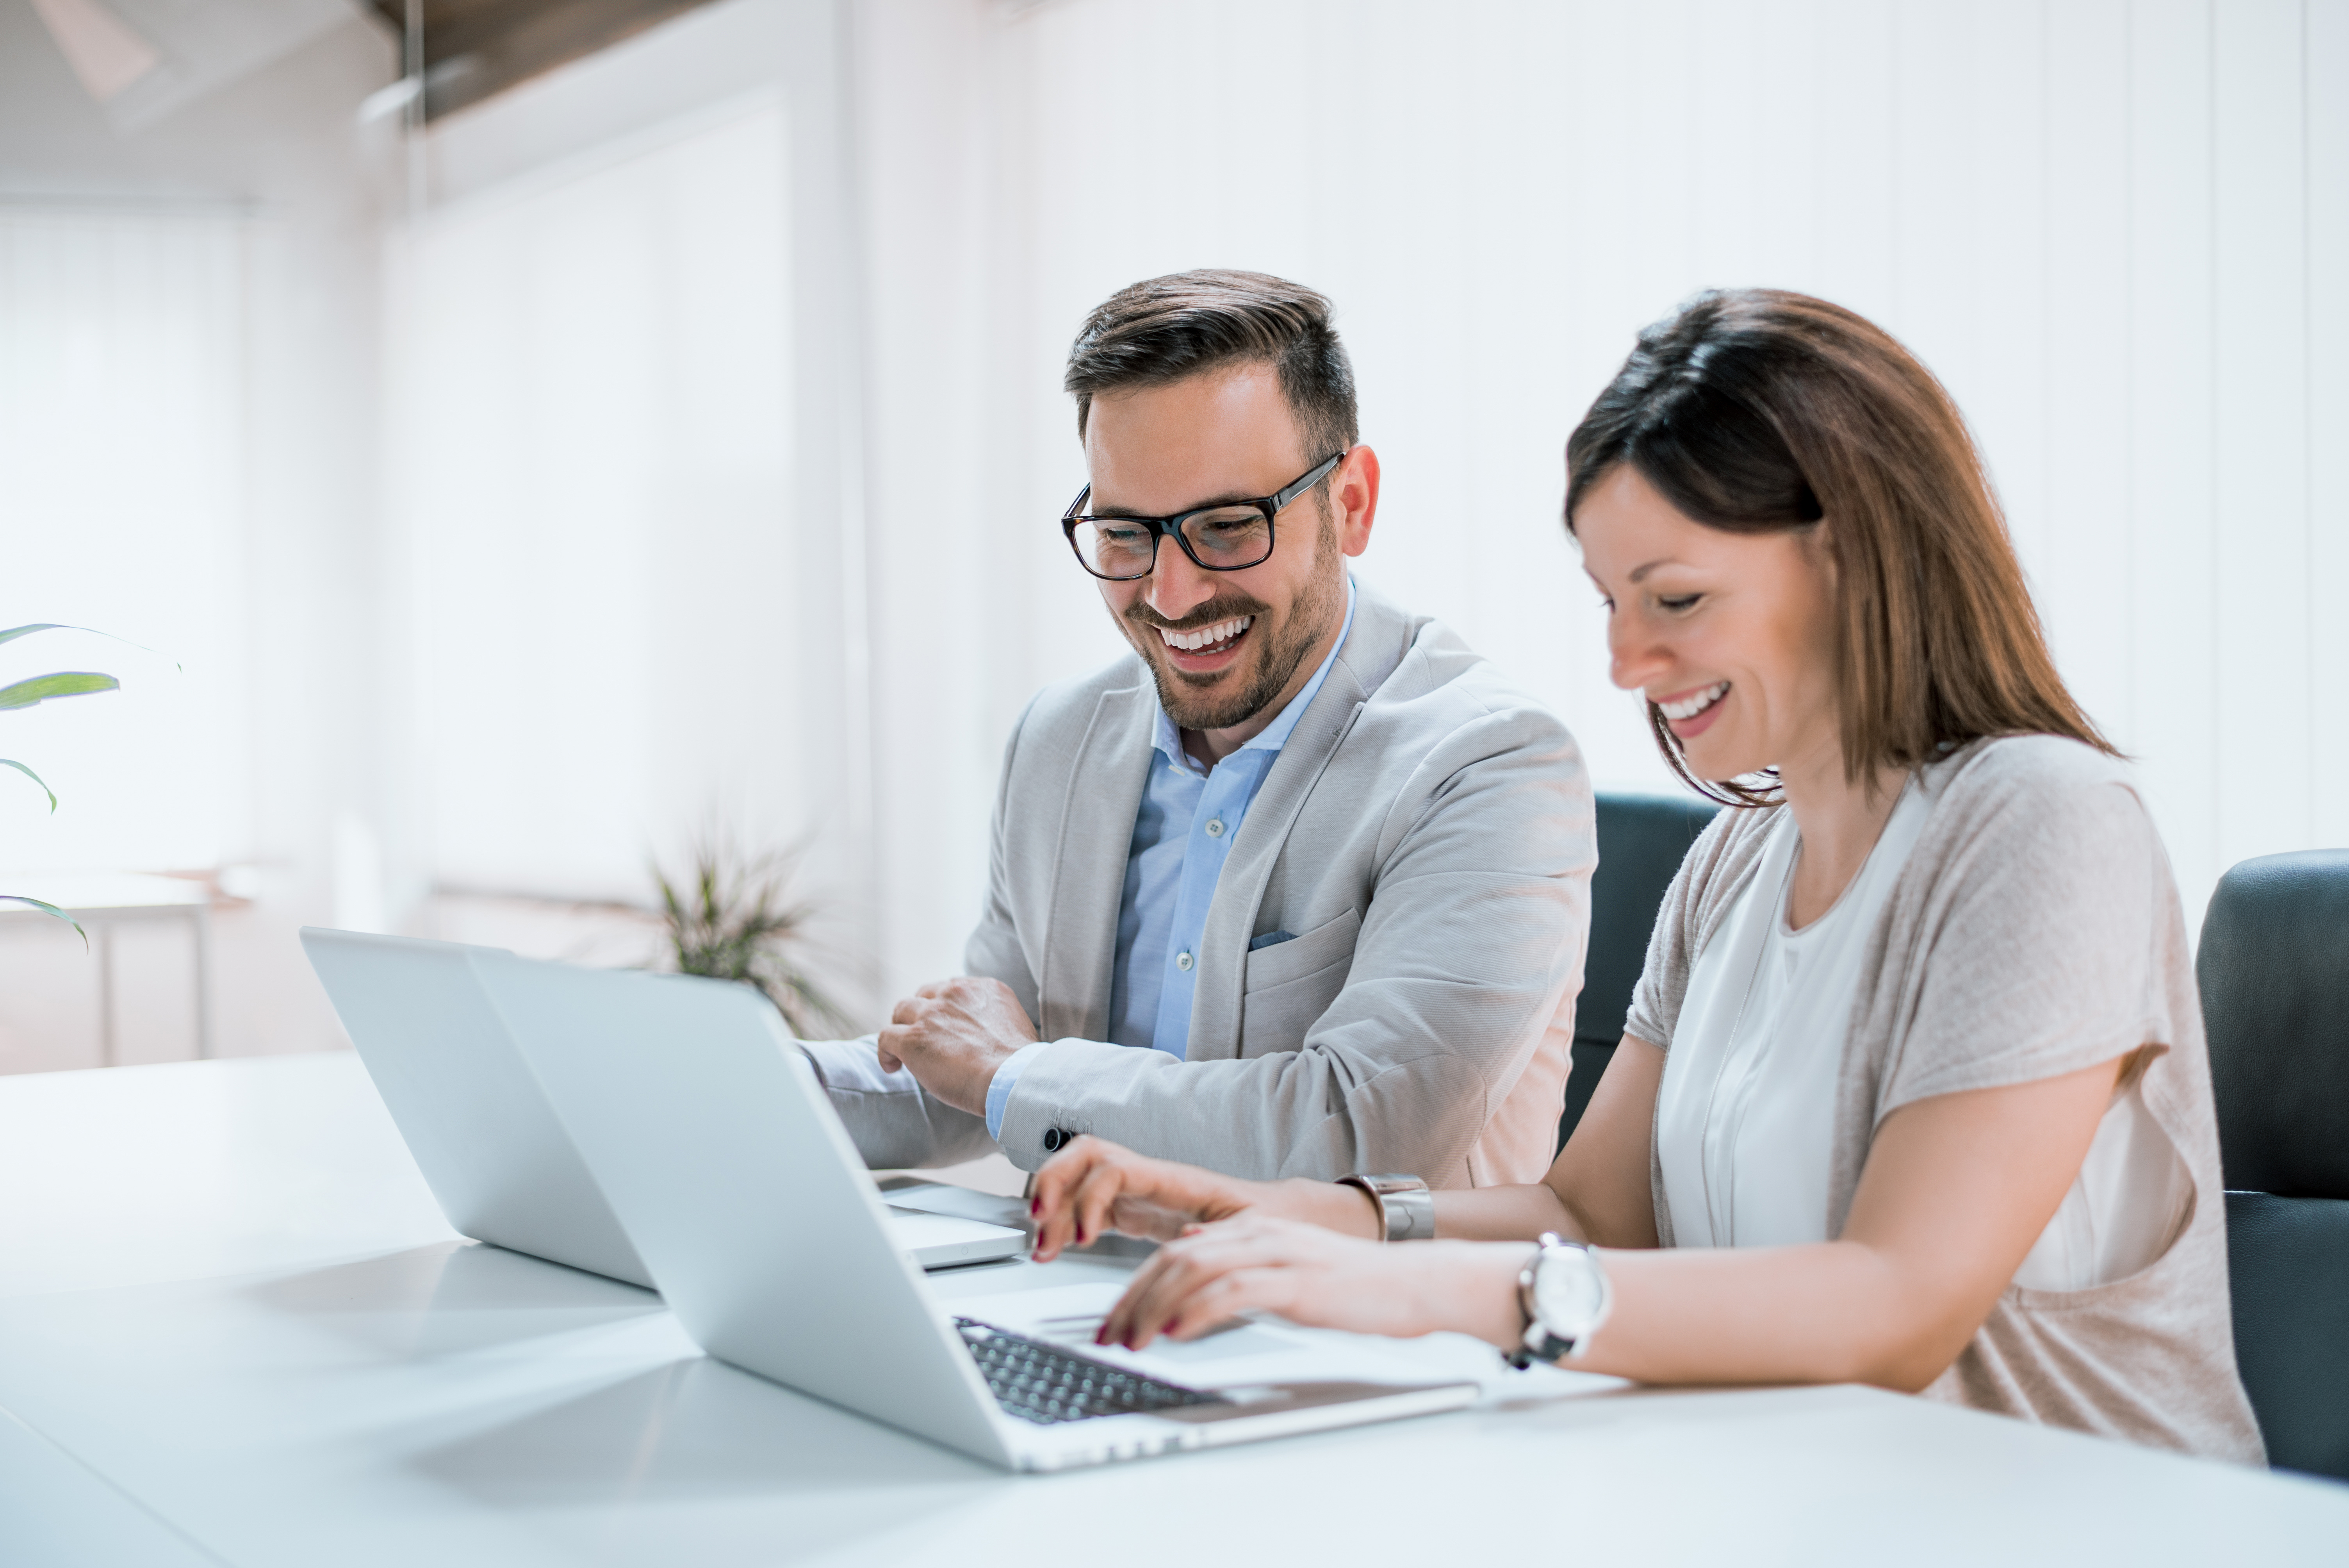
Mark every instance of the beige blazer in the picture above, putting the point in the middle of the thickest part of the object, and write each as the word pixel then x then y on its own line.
pixel 1426 832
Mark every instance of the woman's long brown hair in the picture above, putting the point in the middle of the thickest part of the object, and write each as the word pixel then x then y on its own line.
pixel 1756 410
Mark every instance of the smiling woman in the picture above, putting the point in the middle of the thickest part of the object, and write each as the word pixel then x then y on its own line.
pixel 1913 1090
pixel 1759 412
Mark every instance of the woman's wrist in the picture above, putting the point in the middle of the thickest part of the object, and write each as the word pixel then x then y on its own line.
pixel 1464 1287
pixel 1487 1304
pixel 1349 1211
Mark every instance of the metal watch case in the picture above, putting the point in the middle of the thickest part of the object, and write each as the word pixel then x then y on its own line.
pixel 1565 1295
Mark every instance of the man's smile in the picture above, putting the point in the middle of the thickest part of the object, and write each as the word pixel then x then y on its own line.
pixel 1206 651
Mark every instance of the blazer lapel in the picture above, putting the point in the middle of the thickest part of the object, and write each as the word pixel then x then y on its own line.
pixel 1104 789
pixel 1382 635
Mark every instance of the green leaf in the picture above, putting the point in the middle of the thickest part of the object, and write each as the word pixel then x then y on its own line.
pixel 11 762
pixel 65 682
pixel 12 632
pixel 48 909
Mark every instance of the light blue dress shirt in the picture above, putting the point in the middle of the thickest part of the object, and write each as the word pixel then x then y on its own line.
pixel 1182 833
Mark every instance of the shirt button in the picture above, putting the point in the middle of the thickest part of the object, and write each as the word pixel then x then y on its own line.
pixel 1214 827
pixel 1183 961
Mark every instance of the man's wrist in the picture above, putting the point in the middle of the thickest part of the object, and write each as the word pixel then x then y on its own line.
pixel 1001 1084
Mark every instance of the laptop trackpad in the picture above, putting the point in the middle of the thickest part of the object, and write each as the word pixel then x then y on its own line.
pixel 946 1241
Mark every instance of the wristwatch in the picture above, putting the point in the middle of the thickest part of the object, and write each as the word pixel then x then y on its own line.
pixel 1406 1208
pixel 1566 1297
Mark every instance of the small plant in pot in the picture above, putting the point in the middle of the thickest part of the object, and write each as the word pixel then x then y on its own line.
pixel 736 917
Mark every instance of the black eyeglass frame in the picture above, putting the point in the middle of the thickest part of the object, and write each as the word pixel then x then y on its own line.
pixel 1272 506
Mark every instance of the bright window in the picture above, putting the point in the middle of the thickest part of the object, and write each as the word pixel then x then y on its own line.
pixel 123 428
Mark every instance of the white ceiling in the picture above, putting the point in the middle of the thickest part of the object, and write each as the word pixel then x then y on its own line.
pixel 144 59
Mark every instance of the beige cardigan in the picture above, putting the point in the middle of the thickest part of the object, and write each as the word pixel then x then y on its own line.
pixel 2035 931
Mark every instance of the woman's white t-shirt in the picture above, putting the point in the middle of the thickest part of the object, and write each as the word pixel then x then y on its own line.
pixel 1745 1113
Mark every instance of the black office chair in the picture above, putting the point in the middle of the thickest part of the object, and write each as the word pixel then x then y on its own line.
pixel 1642 840
pixel 2274 972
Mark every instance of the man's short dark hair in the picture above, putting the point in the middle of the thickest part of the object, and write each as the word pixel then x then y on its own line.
pixel 1188 323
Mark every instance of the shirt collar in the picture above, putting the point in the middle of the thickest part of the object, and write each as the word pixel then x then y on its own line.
pixel 1273 736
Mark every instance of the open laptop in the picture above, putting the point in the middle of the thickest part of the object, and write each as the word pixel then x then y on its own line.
pixel 741 1191
pixel 493 1150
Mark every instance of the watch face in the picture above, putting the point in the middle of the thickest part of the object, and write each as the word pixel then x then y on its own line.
pixel 1566 1291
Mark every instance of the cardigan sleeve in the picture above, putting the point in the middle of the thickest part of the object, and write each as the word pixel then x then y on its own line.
pixel 2039 936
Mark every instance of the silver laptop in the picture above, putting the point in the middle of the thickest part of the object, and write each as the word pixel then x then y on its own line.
pixel 492 1149
pixel 742 1190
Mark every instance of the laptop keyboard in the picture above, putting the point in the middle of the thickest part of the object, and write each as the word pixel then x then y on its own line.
pixel 1039 1383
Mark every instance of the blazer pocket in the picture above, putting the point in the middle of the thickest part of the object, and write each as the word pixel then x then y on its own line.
pixel 1291 984
pixel 1325 945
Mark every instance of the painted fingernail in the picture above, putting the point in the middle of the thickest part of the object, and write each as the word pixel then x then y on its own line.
pixel 1035 1205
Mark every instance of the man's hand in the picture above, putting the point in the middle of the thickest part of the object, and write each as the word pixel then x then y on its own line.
pixel 953 1034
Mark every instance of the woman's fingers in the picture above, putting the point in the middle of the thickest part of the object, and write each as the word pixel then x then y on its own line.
pixel 1089 1205
pixel 1179 1271
pixel 1049 1200
pixel 1079 1192
pixel 1216 1303
pixel 1117 1323
pixel 1137 1216
pixel 1308 1275
pixel 1094 1186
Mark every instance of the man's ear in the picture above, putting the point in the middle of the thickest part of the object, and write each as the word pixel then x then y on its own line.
pixel 1354 498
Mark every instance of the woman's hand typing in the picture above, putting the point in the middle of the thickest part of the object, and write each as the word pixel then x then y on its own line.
pixel 1314 1277
pixel 1093 1187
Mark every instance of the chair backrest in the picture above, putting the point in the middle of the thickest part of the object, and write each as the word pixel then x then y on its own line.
pixel 1642 839
pixel 2274 972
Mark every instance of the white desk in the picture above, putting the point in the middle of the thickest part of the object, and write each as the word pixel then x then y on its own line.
pixel 233 1329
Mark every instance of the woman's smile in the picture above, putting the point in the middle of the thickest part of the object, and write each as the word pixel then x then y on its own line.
pixel 1693 711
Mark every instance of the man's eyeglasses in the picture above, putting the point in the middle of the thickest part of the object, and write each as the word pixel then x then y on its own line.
pixel 1231 537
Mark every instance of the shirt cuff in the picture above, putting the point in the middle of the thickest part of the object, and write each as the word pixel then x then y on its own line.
pixel 999 1087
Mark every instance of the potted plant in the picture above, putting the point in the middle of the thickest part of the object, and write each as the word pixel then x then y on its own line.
pixel 735 918
pixel 39 689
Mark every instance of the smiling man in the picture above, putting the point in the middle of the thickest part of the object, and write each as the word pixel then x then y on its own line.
pixel 1302 888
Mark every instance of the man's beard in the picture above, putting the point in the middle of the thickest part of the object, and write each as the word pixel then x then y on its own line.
pixel 1312 614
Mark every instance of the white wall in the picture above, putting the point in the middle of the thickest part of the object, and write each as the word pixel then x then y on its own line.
pixel 234 331
pixel 596 455
pixel 2116 229
pixel 623 486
